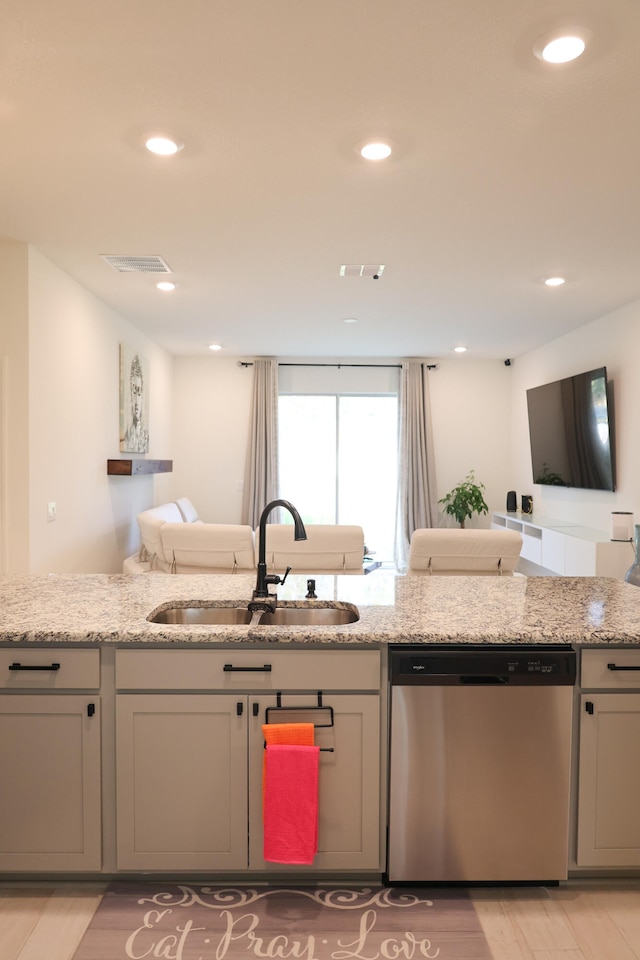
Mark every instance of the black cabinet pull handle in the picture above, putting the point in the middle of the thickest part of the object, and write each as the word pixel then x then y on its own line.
pixel 239 708
pixel 589 707
pixel 26 666
pixel 256 709
pixel 229 668
pixel 614 666
pixel 91 709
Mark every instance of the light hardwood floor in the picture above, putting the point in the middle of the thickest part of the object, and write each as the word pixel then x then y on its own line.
pixel 578 921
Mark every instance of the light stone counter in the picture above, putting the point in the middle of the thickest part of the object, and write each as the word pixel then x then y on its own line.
pixel 102 608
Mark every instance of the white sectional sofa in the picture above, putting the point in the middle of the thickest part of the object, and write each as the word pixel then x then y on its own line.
pixel 174 540
pixel 467 552
pixel 329 548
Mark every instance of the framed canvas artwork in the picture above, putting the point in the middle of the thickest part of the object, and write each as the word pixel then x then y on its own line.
pixel 134 401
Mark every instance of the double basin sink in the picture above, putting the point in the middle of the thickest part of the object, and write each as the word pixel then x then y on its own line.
pixel 299 615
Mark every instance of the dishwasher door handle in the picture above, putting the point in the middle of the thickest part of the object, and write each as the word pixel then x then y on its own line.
pixel 485 681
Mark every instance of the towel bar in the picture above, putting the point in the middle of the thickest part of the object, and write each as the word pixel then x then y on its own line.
pixel 315 708
pixel 318 706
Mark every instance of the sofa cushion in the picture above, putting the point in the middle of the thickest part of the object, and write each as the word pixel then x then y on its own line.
pixel 150 523
pixel 466 552
pixel 187 510
pixel 329 548
pixel 207 547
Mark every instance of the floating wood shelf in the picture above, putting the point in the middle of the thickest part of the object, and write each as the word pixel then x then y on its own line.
pixel 137 468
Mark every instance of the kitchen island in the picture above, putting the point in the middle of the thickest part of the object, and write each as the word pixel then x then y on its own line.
pixel 129 746
pixel 114 609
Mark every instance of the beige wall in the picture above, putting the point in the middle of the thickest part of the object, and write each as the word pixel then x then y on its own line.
pixel 612 341
pixel 74 427
pixel 212 403
pixel 471 416
pixel 14 408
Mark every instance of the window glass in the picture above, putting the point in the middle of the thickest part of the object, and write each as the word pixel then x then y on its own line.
pixel 338 462
pixel 307 457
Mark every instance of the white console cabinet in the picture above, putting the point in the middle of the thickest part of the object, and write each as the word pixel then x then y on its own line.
pixel 566 549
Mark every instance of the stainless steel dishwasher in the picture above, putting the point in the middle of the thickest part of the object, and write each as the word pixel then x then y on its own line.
pixel 480 763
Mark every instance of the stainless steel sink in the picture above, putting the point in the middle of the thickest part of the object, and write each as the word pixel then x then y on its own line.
pixel 309 615
pixel 313 615
pixel 189 615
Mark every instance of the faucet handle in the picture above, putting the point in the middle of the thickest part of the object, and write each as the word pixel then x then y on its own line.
pixel 286 574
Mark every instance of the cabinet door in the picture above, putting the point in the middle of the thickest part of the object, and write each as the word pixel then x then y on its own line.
pixel 181 781
pixel 553 550
pixel 609 785
pixel 50 796
pixel 349 782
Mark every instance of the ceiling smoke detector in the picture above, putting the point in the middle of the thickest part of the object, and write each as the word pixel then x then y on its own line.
pixel 137 264
pixel 371 270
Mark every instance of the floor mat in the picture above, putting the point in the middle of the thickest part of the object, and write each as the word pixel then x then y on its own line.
pixel 204 922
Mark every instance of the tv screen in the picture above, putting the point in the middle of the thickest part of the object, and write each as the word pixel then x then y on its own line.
pixel 571 432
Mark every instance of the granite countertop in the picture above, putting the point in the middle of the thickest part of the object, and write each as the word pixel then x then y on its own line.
pixel 393 609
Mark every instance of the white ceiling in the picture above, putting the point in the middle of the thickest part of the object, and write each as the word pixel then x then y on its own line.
pixel 506 169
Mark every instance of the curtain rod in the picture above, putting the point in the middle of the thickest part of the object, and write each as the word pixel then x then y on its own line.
pixel 380 366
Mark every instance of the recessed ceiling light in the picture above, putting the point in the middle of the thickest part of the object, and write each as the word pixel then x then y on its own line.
pixel 375 150
pixel 562 45
pixel 460 349
pixel 554 281
pixel 563 49
pixel 215 346
pixel 350 320
pixel 163 146
pixel 166 285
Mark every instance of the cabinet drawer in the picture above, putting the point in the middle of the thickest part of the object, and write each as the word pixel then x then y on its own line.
pixel 49 668
pixel 599 669
pixel 340 669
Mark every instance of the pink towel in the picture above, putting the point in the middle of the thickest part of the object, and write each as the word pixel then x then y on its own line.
pixel 291 803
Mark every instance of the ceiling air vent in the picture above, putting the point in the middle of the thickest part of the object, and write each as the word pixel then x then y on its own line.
pixel 374 270
pixel 137 264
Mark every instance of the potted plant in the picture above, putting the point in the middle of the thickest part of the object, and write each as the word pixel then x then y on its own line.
pixel 465 499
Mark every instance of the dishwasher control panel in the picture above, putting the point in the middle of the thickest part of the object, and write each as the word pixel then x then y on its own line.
pixel 482 666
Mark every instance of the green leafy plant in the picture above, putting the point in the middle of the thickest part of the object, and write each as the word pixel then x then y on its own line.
pixel 465 499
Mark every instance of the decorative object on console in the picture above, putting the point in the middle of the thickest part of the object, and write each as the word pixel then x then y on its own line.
pixel 621 525
pixel 465 499
pixel 527 503
pixel 633 573
pixel 512 501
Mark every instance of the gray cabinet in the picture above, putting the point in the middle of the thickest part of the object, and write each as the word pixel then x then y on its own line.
pixel 50 803
pixel 190 749
pixel 181 782
pixel 348 782
pixel 609 759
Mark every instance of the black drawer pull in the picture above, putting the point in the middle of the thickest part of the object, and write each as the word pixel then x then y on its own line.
pixel 229 668
pixel 26 666
pixel 614 666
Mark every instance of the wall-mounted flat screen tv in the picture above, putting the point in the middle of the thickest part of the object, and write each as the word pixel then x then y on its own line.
pixel 571 432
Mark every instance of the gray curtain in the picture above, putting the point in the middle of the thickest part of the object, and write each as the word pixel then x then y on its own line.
pixel 261 471
pixel 416 506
